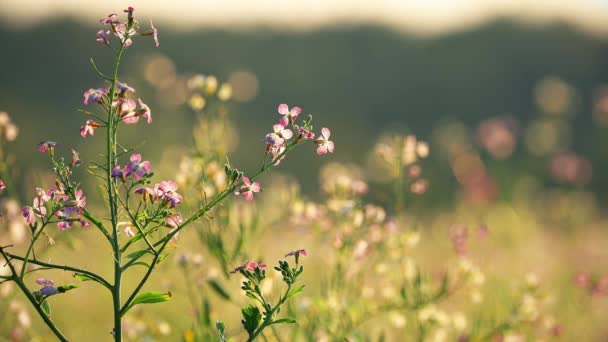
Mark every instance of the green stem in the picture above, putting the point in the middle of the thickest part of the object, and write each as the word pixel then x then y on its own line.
pixel 111 161
pixel 29 250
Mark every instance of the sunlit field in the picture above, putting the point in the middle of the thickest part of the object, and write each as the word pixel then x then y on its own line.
pixel 182 221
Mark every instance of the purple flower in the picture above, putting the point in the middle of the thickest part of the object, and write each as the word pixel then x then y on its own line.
pixel 47 287
pixel 94 95
pixel 37 209
pixel 89 128
pixel 110 20
pixel 154 34
pixel 44 282
pixel 325 145
pixel 147 193
pixel 124 33
pixel 64 225
pixel 117 172
pixel 103 36
pixel 126 110
pixel 136 167
pixel 124 87
pixel 290 114
pixel 306 134
pixel 80 201
pixel 129 10
pixel 248 189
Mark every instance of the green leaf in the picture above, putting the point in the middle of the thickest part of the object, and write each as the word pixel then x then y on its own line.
pixel 251 295
pixel 219 289
pixel 83 277
pixel 284 320
pixel 251 318
pixel 137 254
pixel 46 307
pixel 220 326
pixel 294 292
pixel 66 288
pixel 140 263
pixel 150 298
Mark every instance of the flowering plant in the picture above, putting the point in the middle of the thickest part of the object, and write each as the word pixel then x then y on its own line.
pixel 142 219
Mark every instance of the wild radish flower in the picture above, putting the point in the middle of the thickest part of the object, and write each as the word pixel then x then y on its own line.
pixel 126 110
pixel 325 145
pixel 89 128
pixel 103 37
pixel 306 134
pixel 173 221
pixel 124 87
pixel 129 10
pixel 37 209
pixel 249 266
pixel 47 287
pixel 147 193
pixel 124 33
pixel 301 252
pixel 75 157
pixel 280 133
pixel 289 114
pixel 145 111
pixel 275 152
pixel 110 20
pixel 136 167
pixel 2 185
pixel 80 201
pixel 128 231
pixel 248 189
pixel 47 146
pixel 166 190
pixel 94 95
pixel 117 172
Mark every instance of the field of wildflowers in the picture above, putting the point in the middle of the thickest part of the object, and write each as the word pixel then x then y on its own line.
pixel 362 261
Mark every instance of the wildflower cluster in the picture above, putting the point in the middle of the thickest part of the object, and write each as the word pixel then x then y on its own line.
pixel 255 320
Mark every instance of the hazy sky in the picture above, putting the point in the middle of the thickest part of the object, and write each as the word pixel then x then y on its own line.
pixel 424 16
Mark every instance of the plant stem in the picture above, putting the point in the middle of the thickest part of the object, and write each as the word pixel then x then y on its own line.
pixel 111 161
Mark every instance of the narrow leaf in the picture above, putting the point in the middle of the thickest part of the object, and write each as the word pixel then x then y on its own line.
pixel 219 289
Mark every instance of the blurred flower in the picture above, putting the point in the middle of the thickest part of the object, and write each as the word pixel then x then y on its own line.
pixel 497 136
pixel 103 36
pixel 249 266
pixel 47 146
pixel 174 221
pixel 48 289
pixel 2 185
pixel 154 34
pixel 301 252
pixel 94 95
pixel 569 167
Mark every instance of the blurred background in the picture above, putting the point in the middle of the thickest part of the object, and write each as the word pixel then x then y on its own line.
pixel 511 96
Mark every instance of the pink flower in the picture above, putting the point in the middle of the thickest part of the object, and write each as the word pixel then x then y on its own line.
pixel 129 10
pixel 248 189
pixel 325 145
pixel 302 252
pixel 124 33
pixel 28 214
pixel 173 221
pixel 37 209
pixel 75 157
pixel 145 111
pixel 290 114
pixel 80 201
pixel 103 37
pixel 64 225
pixel 136 167
pixel 2 185
pixel 249 266
pixel 47 146
pixel 94 95
pixel 126 110
pixel 154 34
pixel 280 133
pixel 275 152
pixel 89 128
pixel 167 191
pixel 128 231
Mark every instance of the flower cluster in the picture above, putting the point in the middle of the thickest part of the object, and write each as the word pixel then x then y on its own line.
pixel 48 288
pixel 8 130
pixel 67 209
pixel 124 31
pixel 165 192
pixel 136 168
pixel 277 140
pixel 248 266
